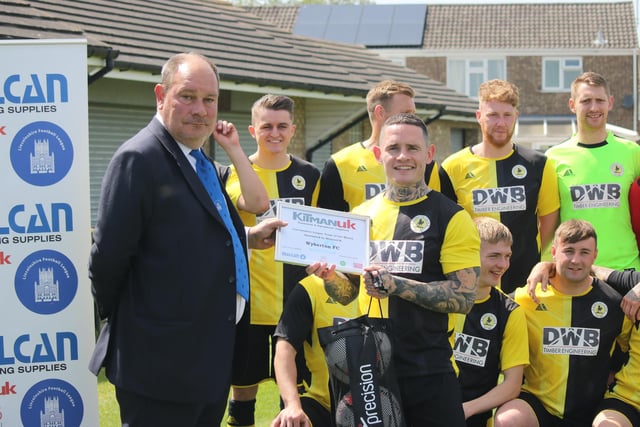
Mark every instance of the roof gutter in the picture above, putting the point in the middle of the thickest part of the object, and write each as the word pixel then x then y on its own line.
pixel 111 54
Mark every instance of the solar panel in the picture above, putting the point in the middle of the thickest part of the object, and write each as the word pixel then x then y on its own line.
pixel 343 23
pixel 370 25
pixel 312 24
pixel 408 25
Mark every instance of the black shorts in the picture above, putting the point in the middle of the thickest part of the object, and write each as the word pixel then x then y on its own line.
pixel 479 420
pixel 253 355
pixel 545 418
pixel 318 414
pixel 625 409
pixel 434 400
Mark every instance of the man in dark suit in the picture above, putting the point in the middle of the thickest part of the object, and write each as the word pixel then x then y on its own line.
pixel 165 267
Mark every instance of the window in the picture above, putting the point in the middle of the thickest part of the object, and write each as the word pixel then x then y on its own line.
pixel 542 132
pixel 466 75
pixel 559 73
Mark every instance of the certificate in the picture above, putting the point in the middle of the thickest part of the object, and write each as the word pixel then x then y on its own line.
pixel 322 235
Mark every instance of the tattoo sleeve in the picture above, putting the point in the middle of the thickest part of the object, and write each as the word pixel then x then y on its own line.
pixel 343 287
pixel 454 295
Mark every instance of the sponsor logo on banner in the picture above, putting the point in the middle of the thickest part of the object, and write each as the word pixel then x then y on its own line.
pixel 46 282
pixel 52 402
pixel 41 153
pixel 5 258
pixel 39 348
pixel 45 225
pixel 7 388
pixel 17 89
pixel 32 221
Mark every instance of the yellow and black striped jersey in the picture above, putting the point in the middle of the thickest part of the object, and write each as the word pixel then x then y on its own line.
pixel 490 339
pixel 271 281
pixel 308 309
pixel 571 339
pixel 421 240
pixel 514 190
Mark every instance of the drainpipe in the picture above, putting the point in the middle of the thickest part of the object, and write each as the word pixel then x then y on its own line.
pixel 111 55
pixel 323 141
pixel 437 116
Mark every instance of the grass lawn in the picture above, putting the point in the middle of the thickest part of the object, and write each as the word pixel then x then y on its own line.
pixel 267 405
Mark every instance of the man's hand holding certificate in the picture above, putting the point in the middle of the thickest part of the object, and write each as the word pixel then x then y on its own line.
pixel 323 235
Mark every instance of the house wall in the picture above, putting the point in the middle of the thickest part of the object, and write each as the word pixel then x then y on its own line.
pixel 440 136
pixel 526 73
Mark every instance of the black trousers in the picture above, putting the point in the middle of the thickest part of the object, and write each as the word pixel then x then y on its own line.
pixel 142 411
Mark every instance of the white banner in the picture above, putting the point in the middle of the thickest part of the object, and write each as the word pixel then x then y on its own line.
pixel 46 309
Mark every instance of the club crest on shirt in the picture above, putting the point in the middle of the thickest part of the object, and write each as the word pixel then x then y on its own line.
pixel 488 321
pixel 298 182
pixel 616 169
pixel 420 223
pixel 599 309
pixel 519 172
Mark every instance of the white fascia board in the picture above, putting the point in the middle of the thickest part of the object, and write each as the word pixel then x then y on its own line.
pixel 401 54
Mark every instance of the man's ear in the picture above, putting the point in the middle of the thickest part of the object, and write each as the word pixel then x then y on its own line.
pixel 379 113
pixel 252 131
pixel 159 91
pixel 431 151
pixel 377 152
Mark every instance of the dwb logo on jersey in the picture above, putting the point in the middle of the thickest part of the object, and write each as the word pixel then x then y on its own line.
pixel 372 190
pixel 502 199
pixel 470 349
pixel 397 256
pixel 595 196
pixel 577 341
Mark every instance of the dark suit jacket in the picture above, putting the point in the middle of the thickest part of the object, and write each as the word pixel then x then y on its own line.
pixel 163 272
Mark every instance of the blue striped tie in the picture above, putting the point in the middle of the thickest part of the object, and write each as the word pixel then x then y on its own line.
pixel 207 175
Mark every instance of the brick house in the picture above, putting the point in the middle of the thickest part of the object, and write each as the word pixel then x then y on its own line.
pixel 541 47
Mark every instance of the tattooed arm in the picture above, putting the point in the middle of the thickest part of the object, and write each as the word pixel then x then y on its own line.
pixel 627 283
pixel 456 294
pixel 341 287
